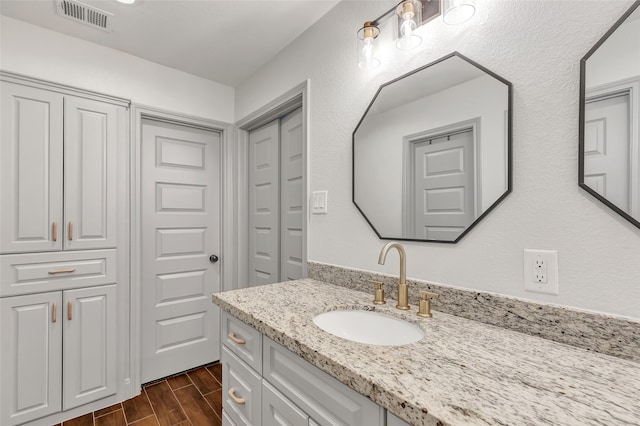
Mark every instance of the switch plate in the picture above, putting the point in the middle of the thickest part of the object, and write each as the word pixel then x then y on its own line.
pixel 319 202
pixel 541 271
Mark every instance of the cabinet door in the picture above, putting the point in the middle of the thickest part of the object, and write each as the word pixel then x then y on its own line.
pixel 277 410
pixel 91 131
pixel 31 357
pixel 89 349
pixel 30 169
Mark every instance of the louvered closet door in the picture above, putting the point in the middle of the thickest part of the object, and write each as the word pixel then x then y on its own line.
pixel 30 170
pixel 90 154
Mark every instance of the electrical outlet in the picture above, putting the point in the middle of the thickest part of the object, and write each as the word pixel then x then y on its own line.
pixel 541 271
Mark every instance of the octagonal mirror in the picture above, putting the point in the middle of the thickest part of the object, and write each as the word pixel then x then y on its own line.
pixel 432 153
pixel 609 154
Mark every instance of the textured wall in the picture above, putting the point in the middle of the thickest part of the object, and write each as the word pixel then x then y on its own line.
pixel 537 45
pixel 45 54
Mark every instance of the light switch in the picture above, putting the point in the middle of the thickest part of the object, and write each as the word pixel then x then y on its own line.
pixel 319 202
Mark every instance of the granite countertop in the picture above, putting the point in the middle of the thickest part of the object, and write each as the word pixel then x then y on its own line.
pixel 461 373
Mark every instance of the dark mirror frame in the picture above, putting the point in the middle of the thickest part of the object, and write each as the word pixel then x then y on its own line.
pixel 508 155
pixel 581 131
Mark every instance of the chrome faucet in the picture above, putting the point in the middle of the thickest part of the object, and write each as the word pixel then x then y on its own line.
pixel 403 288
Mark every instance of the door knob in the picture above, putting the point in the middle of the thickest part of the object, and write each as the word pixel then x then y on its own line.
pixel 213 258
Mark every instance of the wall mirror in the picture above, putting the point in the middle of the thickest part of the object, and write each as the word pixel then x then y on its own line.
pixel 609 154
pixel 432 153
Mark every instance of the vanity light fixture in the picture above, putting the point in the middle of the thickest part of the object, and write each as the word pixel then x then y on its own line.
pixel 367 35
pixel 457 12
pixel 126 1
pixel 411 14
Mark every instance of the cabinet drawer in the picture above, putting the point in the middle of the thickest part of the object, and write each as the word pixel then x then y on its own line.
pixel 322 397
pixel 242 340
pixel 39 272
pixel 241 391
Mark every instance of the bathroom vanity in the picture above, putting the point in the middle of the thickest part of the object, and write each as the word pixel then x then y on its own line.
pixel 278 364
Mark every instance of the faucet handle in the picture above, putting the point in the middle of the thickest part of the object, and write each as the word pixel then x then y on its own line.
pixel 379 293
pixel 425 304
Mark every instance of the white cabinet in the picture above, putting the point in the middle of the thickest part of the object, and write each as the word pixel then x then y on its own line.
pixel 31 357
pixel 89 361
pixel 56 342
pixel 91 130
pixel 31 169
pixel 64 157
pixel 287 390
pixel 59 164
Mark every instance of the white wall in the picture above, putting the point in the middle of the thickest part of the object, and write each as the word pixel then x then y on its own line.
pixel 537 46
pixel 45 54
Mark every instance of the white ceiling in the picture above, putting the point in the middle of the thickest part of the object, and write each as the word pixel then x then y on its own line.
pixel 220 40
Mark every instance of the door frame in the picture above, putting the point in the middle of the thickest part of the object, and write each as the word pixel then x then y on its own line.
pixel 228 216
pixel 297 97
pixel 408 146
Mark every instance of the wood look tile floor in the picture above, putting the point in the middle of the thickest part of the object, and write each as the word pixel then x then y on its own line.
pixel 191 398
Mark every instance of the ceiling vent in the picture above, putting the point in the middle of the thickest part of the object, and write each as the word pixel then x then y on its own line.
pixel 85 13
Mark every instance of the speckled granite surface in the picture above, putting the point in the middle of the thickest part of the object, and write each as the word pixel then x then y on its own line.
pixel 461 373
pixel 590 331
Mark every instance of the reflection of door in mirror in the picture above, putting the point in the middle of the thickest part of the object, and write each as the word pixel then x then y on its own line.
pixel 607 148
pixel 441 181
pixel 610 118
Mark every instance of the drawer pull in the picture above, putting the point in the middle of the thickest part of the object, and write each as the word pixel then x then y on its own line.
pixel 55 231
pixel 237 340
pixel 54 314
pixel 69 310
pixel 232 394
pixel 61 271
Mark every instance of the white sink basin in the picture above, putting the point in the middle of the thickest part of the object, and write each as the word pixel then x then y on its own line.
pixel 369 327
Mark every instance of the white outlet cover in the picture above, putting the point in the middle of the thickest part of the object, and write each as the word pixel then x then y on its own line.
pixel 551 259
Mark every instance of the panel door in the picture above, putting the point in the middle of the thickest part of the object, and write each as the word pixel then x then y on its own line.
pixel 181 229
pixel 607 149
pixel 31 357
pixel 444 188
pixel 90 165
pixel 30 169
pixel 292 232
pixel 264 204
pixel 90 344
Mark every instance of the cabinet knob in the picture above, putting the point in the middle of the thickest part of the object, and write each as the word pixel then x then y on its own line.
pixel 213 258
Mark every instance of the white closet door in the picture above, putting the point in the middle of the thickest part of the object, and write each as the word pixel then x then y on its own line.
pixel 30 170
pixel 607 143
pixel 292 189
pixel 264 204
pixel 31 358
pixel 444 190
pixel 90 348
pixel 90 154
pixel 180 231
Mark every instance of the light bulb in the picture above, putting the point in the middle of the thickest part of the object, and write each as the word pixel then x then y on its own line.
pixel 408 39
pixel 366 49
